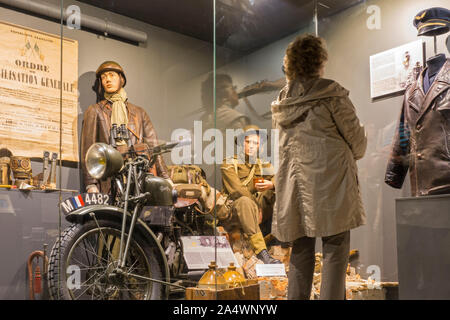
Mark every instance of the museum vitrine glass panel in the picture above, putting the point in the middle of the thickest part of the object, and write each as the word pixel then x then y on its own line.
pixel 143 196
pixel 172 150
pixel 378 51
pixel 391 57
pixel 38 128
pixel 293 90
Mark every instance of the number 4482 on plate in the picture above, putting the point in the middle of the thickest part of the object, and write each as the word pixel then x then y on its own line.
pixel 84 200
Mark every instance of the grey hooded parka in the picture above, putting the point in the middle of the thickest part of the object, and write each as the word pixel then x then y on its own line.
pixel 320 139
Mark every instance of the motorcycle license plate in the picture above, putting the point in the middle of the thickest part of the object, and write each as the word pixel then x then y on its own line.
pixel 84 200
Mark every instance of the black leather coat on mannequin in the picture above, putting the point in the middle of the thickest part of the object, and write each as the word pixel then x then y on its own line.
pixel 422 140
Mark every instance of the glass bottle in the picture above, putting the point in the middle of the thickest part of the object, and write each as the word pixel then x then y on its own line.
pixel 212 277
pixel 233 277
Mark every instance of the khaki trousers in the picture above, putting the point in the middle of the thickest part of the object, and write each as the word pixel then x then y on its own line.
pixel 244 215
pixel 334 266
pixel 245 212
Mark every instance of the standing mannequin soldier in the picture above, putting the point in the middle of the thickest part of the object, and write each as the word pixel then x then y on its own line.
pixel 251 202
pixel 112 107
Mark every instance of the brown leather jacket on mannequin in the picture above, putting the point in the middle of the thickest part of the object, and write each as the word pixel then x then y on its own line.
pixel 97 126
pixel 422 141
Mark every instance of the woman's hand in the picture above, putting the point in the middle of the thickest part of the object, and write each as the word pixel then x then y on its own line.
pixel 263 186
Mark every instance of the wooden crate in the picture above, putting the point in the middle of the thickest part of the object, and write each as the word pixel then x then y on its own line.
pixel 247 292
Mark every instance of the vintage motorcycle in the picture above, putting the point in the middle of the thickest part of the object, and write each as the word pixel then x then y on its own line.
pixel 125 244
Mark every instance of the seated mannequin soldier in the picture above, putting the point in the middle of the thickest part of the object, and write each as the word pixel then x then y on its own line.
pixel 251 202
pixel 112 107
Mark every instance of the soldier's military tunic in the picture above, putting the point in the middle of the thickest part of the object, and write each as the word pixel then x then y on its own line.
pixel 237 179
pixel 226 117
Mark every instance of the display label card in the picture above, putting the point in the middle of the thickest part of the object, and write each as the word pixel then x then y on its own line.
pixel 392 70
pixel 199 251
pixel 270 270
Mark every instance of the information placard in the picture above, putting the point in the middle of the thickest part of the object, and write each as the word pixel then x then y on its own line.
pixel 30 92
pixel 199 251
pixel 392 70
pixel 270 270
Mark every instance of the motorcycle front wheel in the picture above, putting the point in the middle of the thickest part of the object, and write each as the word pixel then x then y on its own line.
pixel 84 265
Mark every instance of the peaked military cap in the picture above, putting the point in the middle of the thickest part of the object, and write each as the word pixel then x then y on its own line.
pixel 432 22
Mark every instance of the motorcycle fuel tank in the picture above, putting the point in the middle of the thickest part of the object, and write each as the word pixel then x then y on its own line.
pixel 160 190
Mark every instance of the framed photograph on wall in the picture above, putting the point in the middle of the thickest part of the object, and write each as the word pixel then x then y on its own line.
pixel 392 70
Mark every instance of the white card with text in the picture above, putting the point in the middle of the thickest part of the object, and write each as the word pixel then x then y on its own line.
pixel 270 270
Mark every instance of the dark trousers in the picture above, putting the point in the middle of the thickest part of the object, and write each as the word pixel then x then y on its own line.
pixel 334 265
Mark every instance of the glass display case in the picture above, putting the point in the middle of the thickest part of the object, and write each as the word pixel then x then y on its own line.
pixel 155 120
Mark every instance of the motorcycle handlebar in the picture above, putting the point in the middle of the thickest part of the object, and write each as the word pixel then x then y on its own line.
pixel 168 146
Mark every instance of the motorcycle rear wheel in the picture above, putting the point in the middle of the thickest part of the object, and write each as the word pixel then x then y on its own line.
pixel 84 265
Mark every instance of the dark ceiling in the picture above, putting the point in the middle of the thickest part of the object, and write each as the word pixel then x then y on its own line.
pixel 241 25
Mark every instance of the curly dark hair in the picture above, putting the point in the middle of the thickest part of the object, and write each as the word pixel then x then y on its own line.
pixel 304 57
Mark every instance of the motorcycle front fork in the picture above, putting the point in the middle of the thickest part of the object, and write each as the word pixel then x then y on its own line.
pixel 123 253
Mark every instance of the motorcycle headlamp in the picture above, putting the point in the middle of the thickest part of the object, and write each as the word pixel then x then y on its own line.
pixel 102 160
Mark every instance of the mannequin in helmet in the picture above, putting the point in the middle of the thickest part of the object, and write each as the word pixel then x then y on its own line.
pixel 112 107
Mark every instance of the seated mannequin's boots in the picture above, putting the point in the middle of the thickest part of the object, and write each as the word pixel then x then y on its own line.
pixel 265 257
pixel 259 245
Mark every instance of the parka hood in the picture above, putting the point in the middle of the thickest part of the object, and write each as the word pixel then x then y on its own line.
pixel 294 99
